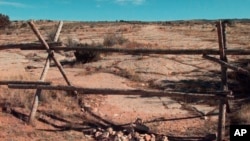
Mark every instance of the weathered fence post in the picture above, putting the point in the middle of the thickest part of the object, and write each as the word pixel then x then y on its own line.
pixel 224 86
pixel 58 31
pixel 38 92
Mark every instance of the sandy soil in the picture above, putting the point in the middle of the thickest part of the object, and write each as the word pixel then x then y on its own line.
pixel 164 115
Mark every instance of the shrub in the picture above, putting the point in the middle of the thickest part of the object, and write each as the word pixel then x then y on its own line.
pixel 114 39
pixel 85 56
pixel 242 115
pixel 4 21
pixel 51 35
pixel 243 79
pixel 42 28
pixel 71 42
pixel 24 25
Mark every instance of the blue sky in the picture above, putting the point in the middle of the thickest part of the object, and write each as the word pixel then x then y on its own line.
pixel 111 10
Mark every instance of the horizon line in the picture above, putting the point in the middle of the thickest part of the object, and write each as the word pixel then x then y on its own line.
pixel 178 20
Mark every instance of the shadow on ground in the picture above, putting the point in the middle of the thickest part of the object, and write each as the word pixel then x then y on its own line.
pixel 92 121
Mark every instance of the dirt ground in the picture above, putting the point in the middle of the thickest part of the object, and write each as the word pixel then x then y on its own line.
pixel 61 116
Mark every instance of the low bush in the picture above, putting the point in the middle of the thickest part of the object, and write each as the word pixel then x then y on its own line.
pixel 114 39
pixel 242 115
pixel 71 42
pixel 4 21
pixel 51 35
pixel 85 56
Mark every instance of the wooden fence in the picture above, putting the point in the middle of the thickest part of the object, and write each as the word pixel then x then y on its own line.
pixel 223 94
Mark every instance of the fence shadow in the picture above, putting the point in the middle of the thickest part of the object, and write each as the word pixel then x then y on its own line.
pixel 95 121
pixel 194 85
pixel 87 127
pixel 199 84
pixel 210 80
pixel 19 115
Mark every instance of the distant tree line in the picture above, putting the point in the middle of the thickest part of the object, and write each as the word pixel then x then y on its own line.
pixel 4 20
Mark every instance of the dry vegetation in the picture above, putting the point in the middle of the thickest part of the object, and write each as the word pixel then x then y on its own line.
pixel 4 21
pixel 17 98
pixel 61 113
pixel 16 104
pixel 242 116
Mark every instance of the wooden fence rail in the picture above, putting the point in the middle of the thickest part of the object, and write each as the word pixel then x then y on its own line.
pixel 148 51
pixel 225 64
pixel 57 46
pixel 142 92
pixel 28 46
pixel 7 82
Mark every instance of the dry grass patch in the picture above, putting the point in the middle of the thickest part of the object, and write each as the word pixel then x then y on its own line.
pixel 242 116
pixel 17 97
pixel 129 74
pixel 114 39
pixel 24 97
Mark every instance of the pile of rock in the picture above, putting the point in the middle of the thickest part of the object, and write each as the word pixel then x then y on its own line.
pixel 110 135
pixel 136 131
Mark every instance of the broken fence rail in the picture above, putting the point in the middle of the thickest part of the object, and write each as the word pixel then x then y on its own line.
pixel 238 69
pixel 144 93
pixel 28 46
pixel 57 46
pixel 7 82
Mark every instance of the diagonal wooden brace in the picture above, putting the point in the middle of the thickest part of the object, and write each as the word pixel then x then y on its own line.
pixel 51 52
pixel 46 67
